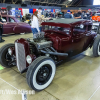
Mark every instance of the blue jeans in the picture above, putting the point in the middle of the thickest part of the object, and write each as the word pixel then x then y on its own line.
pixel 34 31
pixel 40 29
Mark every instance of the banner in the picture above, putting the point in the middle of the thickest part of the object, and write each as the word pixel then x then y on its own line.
pixel 34 10
pixel 31 11
pixel 13 12
pixel 25 11
pixel 20 10
pixel 18 13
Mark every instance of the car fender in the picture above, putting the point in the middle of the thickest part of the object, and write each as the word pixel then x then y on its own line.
pixel 91 44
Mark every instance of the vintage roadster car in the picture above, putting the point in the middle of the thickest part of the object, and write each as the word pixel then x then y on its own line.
pixel 14 25
pixel 61 38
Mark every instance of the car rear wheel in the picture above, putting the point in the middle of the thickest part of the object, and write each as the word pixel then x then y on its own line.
pixel 5 58
pixel 98 30
pixel 96 47
pixel 41 73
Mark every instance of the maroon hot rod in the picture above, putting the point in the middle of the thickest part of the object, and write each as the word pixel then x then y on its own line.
pixel 60 38
pixel 14 25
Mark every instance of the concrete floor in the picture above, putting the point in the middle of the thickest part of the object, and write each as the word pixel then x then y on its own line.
pixel 76 79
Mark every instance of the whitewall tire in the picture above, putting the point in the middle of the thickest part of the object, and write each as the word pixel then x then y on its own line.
pixel 96 46
pixel 41 73
pixel 99 48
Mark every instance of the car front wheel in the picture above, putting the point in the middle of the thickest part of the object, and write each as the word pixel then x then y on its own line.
pixel 6 60
pixel 41 73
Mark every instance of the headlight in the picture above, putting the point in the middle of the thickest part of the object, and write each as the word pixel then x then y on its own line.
pixel 29 59
pixel 10 51
pixel 81 26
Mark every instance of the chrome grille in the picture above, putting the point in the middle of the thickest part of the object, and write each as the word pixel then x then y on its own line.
pixel 20 56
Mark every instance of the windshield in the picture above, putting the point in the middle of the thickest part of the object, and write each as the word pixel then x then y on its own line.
pixel 56 28
pixel 18 20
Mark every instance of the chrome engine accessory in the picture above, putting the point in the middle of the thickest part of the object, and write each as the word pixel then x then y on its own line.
pixel 40 42
pixel 44 44
pixel 38 35
pixel 42 34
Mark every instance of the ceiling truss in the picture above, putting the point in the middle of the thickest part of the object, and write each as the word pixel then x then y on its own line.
pixel 61 3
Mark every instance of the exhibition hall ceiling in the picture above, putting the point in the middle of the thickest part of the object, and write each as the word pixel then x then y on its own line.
pixel 45 2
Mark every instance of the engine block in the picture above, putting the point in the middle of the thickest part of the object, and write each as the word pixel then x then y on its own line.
pixel 45 44
pixel 38 36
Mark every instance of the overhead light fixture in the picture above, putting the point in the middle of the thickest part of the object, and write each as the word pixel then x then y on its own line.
pixel 69 0
pixel 66 6
pixel 24 4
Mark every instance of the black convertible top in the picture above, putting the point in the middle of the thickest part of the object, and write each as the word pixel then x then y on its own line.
pixel 65 21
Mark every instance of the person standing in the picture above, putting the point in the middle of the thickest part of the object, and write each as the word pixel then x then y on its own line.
pixel 47 14
pixel 72 14
pixel 68 15
pixel 79 15
pixel 35 24
pixel 1 28
pixel 41 18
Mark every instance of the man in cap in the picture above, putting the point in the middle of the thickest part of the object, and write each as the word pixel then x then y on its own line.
pixel 68 14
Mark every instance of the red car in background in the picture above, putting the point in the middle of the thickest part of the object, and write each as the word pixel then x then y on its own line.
pixel 14 25
pixel 96 17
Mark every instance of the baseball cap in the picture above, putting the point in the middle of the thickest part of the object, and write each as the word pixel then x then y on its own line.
pixel 68 10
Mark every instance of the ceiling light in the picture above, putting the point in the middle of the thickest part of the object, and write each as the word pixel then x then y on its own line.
pixel 69 0
pixel 66 6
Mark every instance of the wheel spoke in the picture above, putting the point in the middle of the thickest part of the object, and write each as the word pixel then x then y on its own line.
pixel 11 63
pixel 8 57
pixel 10 60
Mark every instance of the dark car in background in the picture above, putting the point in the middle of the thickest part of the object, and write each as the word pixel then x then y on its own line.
pixel 60 39
pixel 14 25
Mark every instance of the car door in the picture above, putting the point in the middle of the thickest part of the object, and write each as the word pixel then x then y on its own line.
pixel 78 38
pixel 22 28
pixel 11 24
pixel 6 28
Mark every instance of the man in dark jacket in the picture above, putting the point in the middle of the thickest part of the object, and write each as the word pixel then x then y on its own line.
pixel 68 15
pixel 79 15
pixel 1 27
